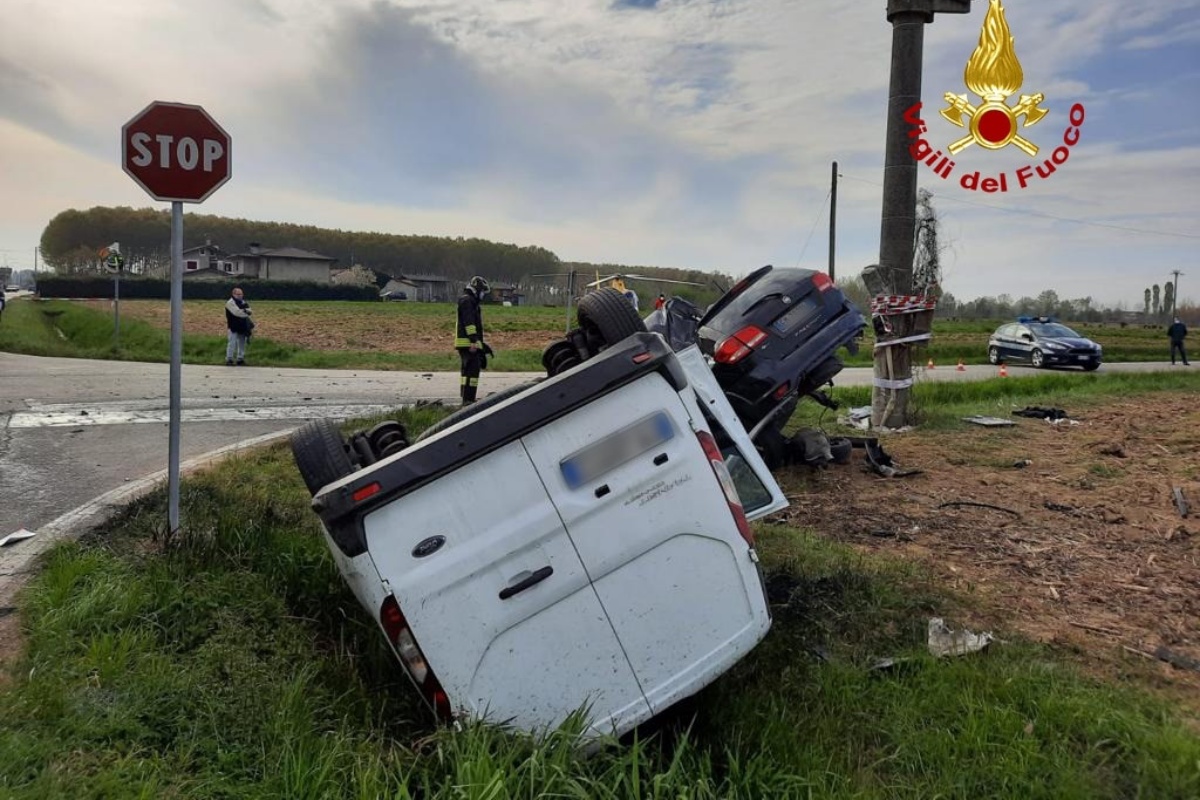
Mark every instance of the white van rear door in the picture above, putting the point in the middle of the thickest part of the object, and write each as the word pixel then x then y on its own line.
pixel 532 658
pixel 756 486
pixel 647 515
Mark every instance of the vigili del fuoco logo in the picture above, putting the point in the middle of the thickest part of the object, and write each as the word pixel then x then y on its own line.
pixel 994 74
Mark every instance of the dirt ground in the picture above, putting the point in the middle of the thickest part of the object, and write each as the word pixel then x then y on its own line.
pixel 329 328
pixel 1091 554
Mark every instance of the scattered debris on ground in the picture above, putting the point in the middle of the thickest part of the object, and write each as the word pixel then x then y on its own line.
pixel 1079 549
pixel 945 641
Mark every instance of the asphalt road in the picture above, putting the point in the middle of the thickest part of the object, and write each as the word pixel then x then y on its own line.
pixel 72 429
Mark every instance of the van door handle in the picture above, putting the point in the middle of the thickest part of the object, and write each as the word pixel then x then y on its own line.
pixel 534 579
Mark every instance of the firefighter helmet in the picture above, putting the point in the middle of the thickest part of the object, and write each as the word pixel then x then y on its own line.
pixel 479 286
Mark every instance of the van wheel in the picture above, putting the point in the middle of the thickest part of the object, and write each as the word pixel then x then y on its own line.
pixel 560 357
pixel 320 454
pixel 607 317
pixel 474 408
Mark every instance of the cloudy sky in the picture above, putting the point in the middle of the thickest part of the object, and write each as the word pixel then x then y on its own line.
pixel 684 133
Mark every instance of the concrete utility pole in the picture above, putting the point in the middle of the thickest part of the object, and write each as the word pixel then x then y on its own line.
pixel 1175 292
pixel 893 365
pixel 833 222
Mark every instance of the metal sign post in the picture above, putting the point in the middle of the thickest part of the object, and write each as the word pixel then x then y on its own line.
pixel 115 263
pixel 178 154
pixel 176 377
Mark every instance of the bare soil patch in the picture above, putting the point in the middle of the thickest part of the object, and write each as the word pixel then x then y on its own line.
pixel 1094 557
pixel 383 327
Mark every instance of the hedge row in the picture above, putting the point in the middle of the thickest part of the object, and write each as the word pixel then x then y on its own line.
pixel 160 289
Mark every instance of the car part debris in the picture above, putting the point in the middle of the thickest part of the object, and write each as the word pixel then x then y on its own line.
pixel 879 462
pixel 944 641
pixel 989 422
pixel 17 536
pixel 1037 412
pixel 1180 503
pixel 1021 463
pixel 1177 660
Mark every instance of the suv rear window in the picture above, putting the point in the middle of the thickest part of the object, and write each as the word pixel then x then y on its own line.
pixel 776 282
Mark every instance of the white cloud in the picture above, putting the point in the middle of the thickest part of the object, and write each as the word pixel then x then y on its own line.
pixel 691 134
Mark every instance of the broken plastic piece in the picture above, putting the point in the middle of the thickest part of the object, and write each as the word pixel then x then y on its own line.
pixel 17 536
pixel 944 641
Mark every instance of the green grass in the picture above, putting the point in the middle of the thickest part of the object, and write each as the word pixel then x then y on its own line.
pixel 90 335
pixel 232 662
pixel 942 405
pixel 35 329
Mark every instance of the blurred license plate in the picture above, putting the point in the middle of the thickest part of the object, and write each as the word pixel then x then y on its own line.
pixel 615 449
pixel 802 312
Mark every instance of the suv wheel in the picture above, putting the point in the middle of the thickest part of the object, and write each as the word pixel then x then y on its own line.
pixel 320 454
pixel 607 317
pixel 1037 359
pixel 993 355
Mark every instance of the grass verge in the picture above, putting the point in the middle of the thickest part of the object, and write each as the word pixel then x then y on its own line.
pixel 70 330
pixel 232 662
pixel 942 405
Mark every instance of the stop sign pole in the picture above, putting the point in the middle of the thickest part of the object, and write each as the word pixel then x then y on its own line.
pixel 179 154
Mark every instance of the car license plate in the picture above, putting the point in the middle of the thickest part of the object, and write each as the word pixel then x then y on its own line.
pixel 616 449
pixel 802 312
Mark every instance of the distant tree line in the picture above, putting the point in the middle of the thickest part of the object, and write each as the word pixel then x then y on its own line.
pixel 95 286
pixel 71 242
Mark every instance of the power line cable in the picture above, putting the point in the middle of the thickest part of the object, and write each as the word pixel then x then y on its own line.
pixel 816 219
pixel 1027 212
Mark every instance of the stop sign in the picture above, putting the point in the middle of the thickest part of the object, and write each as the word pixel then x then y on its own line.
pixel 176 152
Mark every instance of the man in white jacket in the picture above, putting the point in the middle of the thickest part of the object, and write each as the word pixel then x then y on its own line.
pixel 237 319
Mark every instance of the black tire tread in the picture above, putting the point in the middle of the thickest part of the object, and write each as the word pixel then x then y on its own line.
pixel 610 314
pixel 320 454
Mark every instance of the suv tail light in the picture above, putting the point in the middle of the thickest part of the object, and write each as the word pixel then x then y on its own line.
pixel 402 639
pixel 717 462
pixel 740 345
pixel 822 281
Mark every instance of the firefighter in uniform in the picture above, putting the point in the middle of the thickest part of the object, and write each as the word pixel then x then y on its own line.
pixel 468 338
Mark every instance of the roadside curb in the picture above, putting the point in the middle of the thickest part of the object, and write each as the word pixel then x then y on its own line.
pixel 19 561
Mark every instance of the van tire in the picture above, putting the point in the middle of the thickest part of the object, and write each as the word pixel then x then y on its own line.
pixel 607 317
pixel 320 454
pixel 473 409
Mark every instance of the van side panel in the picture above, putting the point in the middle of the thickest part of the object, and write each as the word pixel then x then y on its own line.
pixel 520 659
pixel 659 542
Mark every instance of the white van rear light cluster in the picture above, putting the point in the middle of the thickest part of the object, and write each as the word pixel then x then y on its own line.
pixel 401 637
pixel 717 462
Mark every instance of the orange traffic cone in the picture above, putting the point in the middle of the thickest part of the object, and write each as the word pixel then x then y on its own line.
pixel 1003 370
pixel 930 364
pixel 960 367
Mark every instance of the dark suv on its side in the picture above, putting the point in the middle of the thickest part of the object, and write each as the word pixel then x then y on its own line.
pixel 775 335
pixel 1042 342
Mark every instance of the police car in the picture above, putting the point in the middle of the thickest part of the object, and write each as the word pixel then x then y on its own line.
pixel 1043 342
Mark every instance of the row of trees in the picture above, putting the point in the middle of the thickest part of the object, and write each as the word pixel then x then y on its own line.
pixel 71 242
pixel 1159 302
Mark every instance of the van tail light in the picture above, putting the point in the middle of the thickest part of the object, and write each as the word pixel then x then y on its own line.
pixel 740 345
pixel 405 644
pixel 717 462
pixel 822 281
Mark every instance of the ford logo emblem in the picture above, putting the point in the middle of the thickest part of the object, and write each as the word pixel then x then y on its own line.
pixel 428 546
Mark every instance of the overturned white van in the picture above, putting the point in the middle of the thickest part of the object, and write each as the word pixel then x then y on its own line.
pixel 581 544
